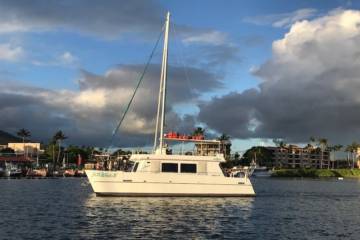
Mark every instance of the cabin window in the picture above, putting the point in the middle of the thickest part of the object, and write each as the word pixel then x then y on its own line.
pixel 188 168
pixel 135 167
pixel 169 167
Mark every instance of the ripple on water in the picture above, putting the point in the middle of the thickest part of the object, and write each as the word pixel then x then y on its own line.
pixel 283 209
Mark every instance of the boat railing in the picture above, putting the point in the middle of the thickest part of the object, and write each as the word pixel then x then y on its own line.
pixel 243 174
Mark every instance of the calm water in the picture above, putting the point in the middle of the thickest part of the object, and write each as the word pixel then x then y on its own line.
pixel 283 209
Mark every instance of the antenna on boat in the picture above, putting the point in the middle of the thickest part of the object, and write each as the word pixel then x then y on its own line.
pixel 160 117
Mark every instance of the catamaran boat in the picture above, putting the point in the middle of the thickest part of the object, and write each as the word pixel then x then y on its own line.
pixel 163 174
pixel 12 170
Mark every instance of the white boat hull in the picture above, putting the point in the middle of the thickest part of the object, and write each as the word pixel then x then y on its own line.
pixel 261 174
pixel 119 183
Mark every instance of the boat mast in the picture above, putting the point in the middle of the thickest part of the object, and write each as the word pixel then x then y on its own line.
pixel 162 91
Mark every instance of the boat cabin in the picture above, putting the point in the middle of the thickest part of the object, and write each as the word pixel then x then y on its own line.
pixel 201 165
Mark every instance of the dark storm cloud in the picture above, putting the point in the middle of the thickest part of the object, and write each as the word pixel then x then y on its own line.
pixel 44 115
pixel 109 18
pixel 310 86
pixel 89 116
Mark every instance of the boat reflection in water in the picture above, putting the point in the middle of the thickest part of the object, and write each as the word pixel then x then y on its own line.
pixel 166 216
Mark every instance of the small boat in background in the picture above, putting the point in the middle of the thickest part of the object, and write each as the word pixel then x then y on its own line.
pixel 74 173
pixel 36 173
pixel 80 173
pixel 261 172
pixel 69 173
pixel 12 171
pixel 2 172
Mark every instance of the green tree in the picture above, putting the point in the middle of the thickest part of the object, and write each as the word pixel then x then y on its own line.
pixel 7 150
pixel 264 156
pixel 57 139
pixel 73 153
pixel 121 152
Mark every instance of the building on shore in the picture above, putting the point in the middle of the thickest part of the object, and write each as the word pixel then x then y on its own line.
pixel 27 148
pixel 212 147
pixel 292 156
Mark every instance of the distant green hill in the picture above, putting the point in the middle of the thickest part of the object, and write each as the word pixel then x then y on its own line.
pixel 6 137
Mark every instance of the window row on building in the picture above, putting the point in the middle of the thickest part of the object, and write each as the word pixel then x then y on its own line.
pixel 293 156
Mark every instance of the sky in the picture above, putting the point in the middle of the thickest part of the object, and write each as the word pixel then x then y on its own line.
pixel 255 70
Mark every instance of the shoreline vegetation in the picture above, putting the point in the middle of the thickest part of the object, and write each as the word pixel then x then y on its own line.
pixel 317 173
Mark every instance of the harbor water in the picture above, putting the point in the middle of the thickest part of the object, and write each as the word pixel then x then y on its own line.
pixel 66 208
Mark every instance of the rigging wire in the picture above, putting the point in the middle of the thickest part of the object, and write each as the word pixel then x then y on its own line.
pixel 137 87
pixel 181 60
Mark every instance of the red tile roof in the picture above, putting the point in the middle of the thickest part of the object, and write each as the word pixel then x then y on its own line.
pixel 15 159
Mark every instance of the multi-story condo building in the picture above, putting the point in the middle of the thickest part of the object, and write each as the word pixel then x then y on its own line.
pixel 292 156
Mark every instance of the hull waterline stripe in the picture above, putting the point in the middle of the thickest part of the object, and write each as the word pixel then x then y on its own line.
pixel 110 194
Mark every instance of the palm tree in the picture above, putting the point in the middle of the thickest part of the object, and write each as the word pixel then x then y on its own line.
pixel 24 134
pixel 279 142
pixel 223 137
pixel 312 140
pixel 199 131
pixel 53 143
pixel 349 151
pixel 354 148
pixel 336 148
pixel 225 145
pixel 282 144
pixel 58 137
pixel 352 152
pixel 323 143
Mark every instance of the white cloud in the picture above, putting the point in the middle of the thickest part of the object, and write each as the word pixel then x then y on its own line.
pixel 282 19
pixel 11 26
pixel 209 37
pixel 67 58
pixel 10 53
pixel 91 98
pixel 310 86
pixel 295 16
